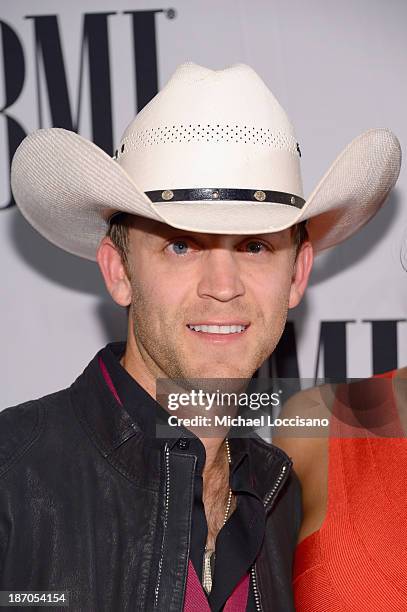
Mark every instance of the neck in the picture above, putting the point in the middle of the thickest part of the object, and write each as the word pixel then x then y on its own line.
pixel 133 362
pixel 215 453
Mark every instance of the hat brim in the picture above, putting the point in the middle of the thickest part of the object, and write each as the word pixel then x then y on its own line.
pixel 68 188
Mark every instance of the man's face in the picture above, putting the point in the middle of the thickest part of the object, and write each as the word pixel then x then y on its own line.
pixel 207 305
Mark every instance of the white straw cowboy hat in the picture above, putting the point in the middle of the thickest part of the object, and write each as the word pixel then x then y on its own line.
pixel 212 152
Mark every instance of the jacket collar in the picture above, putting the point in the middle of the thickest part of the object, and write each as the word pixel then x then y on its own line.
pixel 120 438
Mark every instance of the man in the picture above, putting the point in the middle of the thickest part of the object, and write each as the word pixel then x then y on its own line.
pixel 209 255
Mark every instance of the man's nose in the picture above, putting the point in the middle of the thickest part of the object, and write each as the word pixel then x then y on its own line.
pixel 220 276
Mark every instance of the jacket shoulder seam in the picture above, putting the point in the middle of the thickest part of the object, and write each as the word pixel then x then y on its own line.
pixel 33 437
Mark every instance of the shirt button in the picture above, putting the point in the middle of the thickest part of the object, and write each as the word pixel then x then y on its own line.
pixel 183 443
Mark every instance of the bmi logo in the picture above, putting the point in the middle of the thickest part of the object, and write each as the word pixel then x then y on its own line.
pixel 50 67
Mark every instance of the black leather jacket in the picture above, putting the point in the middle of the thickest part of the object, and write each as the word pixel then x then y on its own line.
pixel 87 507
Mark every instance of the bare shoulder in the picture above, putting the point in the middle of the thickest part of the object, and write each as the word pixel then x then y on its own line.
pixel 309 449
pixel 307 442
pixel 314 402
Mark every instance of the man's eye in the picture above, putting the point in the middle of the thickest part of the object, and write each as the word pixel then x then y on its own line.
pixel 179 247
pixel 254 246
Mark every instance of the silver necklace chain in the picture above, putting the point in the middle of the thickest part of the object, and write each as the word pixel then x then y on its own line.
pixel 207 573
pixel 229 502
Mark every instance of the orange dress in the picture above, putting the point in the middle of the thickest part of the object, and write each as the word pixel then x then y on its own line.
pixel 357 560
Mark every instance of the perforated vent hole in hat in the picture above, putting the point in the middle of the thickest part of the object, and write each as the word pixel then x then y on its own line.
pixel 229 133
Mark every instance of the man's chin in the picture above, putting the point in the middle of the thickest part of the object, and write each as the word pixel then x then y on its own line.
pixel 219 371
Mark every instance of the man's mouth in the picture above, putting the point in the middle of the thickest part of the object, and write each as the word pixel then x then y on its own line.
pixel 235 328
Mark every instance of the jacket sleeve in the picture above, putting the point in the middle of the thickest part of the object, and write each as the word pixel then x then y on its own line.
pixel 18 428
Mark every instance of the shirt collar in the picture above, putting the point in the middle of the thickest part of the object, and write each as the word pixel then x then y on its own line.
pixel 143 408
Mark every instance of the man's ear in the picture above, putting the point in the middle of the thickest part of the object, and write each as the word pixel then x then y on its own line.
pixel 114 272
pixel 302 270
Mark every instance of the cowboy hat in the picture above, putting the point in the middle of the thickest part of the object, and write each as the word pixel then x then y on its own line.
pixel 212 152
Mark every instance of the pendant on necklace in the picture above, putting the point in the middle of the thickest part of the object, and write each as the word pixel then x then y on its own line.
pixel 208 567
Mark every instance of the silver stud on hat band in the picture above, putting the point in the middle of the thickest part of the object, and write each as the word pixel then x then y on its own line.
pixel 259 195
pixel 167 194
pixel 217 194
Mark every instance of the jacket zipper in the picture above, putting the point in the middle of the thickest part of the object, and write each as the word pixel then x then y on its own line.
pixel 277 483
pixel 255 588
pixel 166 504
pixel 266 501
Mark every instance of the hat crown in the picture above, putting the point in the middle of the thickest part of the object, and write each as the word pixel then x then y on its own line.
pixel 195 94
pixel 212 128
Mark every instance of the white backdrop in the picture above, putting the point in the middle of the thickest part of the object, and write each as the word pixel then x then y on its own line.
pixel 338 68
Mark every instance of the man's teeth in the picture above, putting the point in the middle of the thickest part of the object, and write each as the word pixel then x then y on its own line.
pixel 218 329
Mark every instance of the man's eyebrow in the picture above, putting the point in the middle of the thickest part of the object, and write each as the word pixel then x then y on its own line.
pixel 215 240
pixel 161 232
